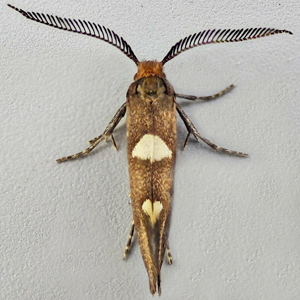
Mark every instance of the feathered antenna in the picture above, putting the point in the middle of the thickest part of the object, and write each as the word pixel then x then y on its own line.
pixel 82 27
pixel 219 36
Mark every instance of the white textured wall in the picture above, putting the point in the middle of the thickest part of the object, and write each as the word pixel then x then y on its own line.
pixel 235 231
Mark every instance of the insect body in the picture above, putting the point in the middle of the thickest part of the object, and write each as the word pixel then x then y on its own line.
pixel 151 156
pixel 152 131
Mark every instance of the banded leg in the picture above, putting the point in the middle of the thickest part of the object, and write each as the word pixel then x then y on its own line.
pixel 194 98
pixel 169 255
pixel 129 242
pixel 104 136
pixel 192 130
pixel 112 139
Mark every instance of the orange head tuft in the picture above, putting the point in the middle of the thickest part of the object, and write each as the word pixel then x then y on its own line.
pixel 149 68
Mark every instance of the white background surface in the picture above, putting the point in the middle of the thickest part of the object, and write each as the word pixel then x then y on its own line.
pixel 235 231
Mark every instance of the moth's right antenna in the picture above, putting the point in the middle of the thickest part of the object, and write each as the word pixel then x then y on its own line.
pixel 82 27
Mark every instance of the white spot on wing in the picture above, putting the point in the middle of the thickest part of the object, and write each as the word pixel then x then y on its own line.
pixel 151 147
pixel 152 210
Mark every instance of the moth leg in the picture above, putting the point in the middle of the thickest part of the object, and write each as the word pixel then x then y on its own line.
pixel 192 130
pixel 186 140
pixel 104 136
pixel 98 137
pixel 169 255
pixel 129 242
pixel 194 98
pixel 114 142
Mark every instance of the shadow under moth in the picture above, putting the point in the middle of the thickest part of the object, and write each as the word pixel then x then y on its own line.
pixel 151 131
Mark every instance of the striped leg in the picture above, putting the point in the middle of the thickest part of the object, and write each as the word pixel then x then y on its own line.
pixel 194 98
pixel 169 255
pixel 129 242
pixel 104 136
pixel 192 130
pixel 94 140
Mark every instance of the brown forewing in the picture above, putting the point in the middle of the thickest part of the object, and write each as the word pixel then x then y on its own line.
pixel 151 180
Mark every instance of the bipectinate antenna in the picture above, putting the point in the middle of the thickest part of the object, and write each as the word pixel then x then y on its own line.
pixel 215 36
pixel 82 27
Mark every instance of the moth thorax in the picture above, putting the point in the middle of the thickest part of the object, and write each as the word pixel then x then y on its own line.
pixel 149 68
pixel 151 87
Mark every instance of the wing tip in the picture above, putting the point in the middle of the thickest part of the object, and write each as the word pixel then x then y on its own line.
pixel 155 285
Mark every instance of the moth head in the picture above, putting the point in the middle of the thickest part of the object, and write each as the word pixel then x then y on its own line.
pixel 151 87
pixel 149 68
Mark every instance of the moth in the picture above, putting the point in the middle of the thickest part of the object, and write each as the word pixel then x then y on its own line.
pixel 151 131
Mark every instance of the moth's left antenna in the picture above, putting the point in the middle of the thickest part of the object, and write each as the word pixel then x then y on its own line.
pixel 214 36
pixel 82 27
